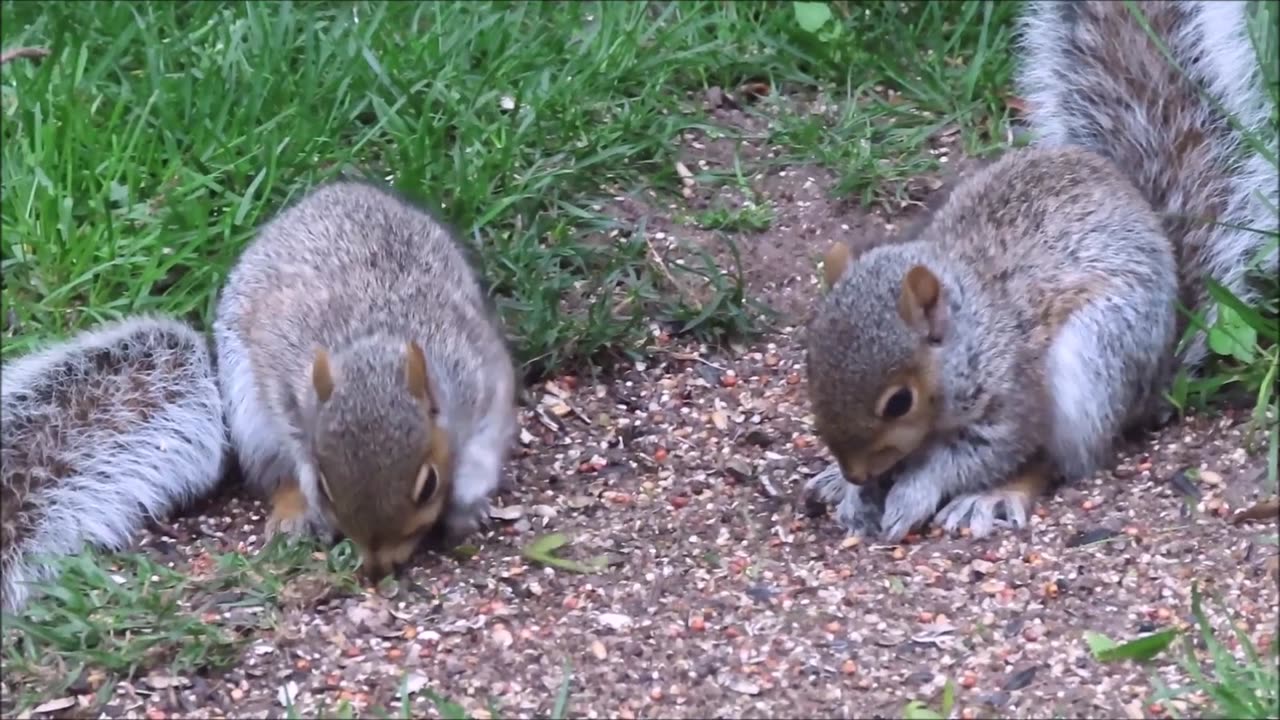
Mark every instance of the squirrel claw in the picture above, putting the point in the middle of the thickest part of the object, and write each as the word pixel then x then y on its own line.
pixel 983 512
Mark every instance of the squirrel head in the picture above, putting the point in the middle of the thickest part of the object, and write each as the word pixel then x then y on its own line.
pixel 383 461
pixel 873 358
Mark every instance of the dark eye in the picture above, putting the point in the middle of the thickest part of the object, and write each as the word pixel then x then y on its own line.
pixel 898 404
pixel 427 483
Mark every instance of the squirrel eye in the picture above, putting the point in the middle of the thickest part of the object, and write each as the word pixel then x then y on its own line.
pixel 424 488
pixel 898 404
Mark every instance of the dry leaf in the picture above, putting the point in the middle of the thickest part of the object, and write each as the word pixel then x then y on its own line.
pixel 160 681
pixel 30 53
pixel 617 621
pixel 755 90
pixel 54 705
pixel 1264 510
pixel 287 694
pixel 508 512
pixel 502 637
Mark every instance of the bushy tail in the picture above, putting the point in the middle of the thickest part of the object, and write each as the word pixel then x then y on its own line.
pixel 1093 77
pixel 100 432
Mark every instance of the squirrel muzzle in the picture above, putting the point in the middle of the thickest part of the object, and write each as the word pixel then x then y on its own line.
pixel 379 561
pixel 859 468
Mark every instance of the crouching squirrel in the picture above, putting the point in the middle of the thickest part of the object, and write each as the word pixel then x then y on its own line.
pixel 101 432
pixel 369 390
pixel 1035 317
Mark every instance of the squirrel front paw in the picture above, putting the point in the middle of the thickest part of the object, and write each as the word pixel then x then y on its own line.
pixel 852 510
pixel 910 502
pixel 465 520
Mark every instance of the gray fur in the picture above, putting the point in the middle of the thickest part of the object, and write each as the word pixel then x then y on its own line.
pixel 1063 271
pixel 102 431
pixel 360 271
pixel 1030 250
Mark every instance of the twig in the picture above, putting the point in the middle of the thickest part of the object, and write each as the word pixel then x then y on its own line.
pixel 31 53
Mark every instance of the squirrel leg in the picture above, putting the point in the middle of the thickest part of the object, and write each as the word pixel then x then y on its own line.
pixel 1008 505
pixel 1105 371
pixel 478 476
pixel 854 510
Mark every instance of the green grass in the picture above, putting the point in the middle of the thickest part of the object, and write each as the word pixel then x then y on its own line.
pixel 125 616
pixel 138 160
pixel 1243 684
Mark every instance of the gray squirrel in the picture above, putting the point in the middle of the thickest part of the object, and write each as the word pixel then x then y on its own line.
pixel 1034 318
pixel 100 432
pixel 369 390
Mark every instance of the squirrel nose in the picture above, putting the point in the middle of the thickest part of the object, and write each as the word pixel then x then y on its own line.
pixel 855 472
pixel 376 567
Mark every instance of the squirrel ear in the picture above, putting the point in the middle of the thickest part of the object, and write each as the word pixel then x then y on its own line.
pixel 321 376
pixel 835 262
pixel 415 371
pixel 921 304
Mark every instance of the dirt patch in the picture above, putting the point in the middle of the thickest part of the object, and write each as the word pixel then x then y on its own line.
pixel 780 217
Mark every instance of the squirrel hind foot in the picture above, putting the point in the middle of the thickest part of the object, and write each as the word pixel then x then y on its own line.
pixel 982 512
pixel 1007 506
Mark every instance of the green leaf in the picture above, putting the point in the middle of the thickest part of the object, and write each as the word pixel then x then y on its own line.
pixel 917 710
pixel 541 551
pixel 811 15
pixel 448 709
pixel 1141 649
pixel 1232 335
pixel 1242 312
pixel 948 697
pixel 1098 643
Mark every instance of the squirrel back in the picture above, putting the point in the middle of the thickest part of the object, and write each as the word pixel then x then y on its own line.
pixel 361 357
pixel 101 431
pixel 1093 78
pixel 1034 317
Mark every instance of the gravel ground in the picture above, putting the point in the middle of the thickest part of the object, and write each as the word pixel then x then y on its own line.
pixel 719 596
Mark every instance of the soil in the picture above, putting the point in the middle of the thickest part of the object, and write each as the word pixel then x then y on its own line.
pixel 719 595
